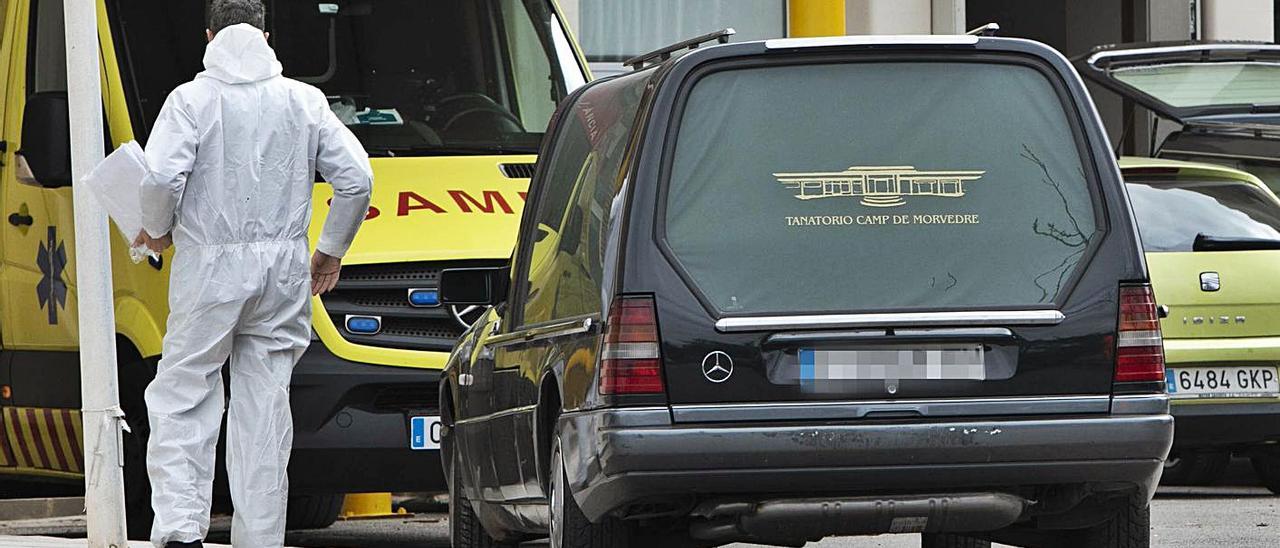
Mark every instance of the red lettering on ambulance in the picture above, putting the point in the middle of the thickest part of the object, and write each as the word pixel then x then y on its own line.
pixel 418 203
pixel 490 197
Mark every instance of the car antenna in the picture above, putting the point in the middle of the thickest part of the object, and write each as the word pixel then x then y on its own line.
pixel 662 54
pixel 989 29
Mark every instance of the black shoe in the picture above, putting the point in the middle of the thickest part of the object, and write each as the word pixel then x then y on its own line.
pixel 193 544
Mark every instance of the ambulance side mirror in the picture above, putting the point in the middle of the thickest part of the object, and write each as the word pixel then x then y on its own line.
pixel 474 286
pixel 45 157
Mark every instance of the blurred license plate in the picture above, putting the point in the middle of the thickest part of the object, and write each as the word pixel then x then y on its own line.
pixel 424 433
pixel 942 362
pixel 1222 382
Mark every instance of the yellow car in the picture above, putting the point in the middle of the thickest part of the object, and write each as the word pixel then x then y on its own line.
pixel 1212 241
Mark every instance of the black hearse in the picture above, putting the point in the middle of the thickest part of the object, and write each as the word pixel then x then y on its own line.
pixel 774 291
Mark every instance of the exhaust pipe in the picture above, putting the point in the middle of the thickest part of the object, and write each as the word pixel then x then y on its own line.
pixel 792 522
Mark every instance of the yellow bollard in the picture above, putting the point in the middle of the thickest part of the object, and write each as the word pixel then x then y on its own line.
pixel 815 18
pixel 366 505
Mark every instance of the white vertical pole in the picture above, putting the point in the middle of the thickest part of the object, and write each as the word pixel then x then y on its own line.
pixel 104 478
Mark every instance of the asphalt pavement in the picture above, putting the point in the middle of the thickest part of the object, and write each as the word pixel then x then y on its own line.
pixel 1233 514
pixel 1182 518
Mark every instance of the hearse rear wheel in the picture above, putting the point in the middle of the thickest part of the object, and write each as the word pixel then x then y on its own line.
pixel 569 527
pixel 1130 528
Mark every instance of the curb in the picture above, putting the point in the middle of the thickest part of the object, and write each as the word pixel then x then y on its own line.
pixel 41 508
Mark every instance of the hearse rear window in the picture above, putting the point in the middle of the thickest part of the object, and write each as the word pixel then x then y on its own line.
pixel 877 186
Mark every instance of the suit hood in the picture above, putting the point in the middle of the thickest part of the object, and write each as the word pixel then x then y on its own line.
pixel 239 54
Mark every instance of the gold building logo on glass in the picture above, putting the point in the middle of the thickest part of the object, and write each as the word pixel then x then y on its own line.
pixel 878 186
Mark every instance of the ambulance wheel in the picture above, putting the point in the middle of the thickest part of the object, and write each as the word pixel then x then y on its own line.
pixel 134 374
pixel 312 511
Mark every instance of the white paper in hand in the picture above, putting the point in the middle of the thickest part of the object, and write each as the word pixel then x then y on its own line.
pixel 116 181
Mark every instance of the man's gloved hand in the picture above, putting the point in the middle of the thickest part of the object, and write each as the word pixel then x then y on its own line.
pixel 324 272
pixel 154 244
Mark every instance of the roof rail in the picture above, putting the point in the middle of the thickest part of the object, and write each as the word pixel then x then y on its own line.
pixel 989 29
pixel 662 54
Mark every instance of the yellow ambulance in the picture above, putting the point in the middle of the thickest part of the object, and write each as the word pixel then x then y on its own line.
pixel 450 99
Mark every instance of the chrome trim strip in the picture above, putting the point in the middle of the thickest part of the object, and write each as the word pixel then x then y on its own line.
pixel 1180 49
pixel 497 414
pixel 637 409
pixel 812 410
pixel 571 326
pixel 1140 404
pixel 883 40
pixel 1194 64
pixel 625 417
pixel 954 332
pixel 913 319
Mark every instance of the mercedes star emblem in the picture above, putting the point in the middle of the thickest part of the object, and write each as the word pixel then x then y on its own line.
pixel 466 315
pixel 717 367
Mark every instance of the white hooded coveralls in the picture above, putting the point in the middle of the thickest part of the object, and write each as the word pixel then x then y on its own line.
pixel 231 161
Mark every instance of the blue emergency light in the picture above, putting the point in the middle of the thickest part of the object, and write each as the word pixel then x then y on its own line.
pixel 424 297
pixel 364 325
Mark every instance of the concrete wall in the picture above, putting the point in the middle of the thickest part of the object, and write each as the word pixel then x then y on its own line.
pixel 888 17
pixel 1166 20
pixel 1238 20
pixel 948 16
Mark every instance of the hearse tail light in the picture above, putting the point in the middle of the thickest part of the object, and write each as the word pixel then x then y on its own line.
pixel 632 356
pixel 1139 345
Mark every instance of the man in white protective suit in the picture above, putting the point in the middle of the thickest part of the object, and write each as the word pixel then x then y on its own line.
pixel 231 161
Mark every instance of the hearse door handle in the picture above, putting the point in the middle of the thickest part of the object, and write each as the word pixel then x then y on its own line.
pixel 18 219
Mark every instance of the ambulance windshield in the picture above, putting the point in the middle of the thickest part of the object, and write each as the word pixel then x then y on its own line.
pixel 409 77
pixel 414 77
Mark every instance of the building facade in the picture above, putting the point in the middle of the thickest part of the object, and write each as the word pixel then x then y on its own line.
pixel 613 30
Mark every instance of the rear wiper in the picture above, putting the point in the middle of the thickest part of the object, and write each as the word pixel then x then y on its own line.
pixel 1205 242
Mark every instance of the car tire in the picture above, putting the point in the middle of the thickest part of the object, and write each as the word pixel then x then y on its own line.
pixel 1130 528
pixel 1267 466
pixel 465 529
pixel 936 540
pixel 133 376
pixel 1195 468
pixel 569 527
pixel 312 511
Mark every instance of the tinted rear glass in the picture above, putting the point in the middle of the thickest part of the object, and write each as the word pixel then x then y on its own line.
pixel 1171 213
pixel 872 186
pixel 1205 84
